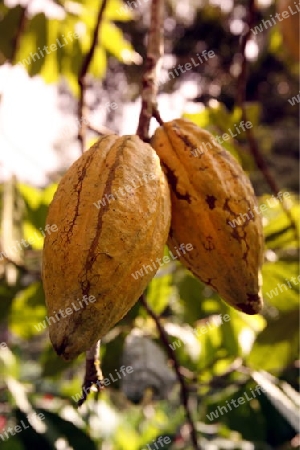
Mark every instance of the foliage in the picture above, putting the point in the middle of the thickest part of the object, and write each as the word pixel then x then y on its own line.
pixel 221 361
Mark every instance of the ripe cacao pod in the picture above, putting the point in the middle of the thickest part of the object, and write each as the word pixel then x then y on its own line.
pixel 112 210
pixel 209 190
pixel 290 26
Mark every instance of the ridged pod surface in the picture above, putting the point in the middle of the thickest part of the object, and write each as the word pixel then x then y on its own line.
pixel 112 210
pixel 209 190
pixel 290 26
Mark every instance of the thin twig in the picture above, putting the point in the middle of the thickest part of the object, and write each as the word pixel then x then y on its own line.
pixel 82 76
pixel 241 101
pixel 93 375
pixel 23 268
pixel 152 66
pixel 173 358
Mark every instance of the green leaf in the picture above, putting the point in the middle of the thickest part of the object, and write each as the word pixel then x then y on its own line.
pixel 13 443
pixel 277 345
pixel 111 355
pixel 98 65
pixel 37 202
pixel 278 231
pixel 7 294
pixel 159 292
pixel 202 119
pixel 71 65
pixel 211 343
pixel 275 40
pixel 239 333
pixel 70 56
pixel 53 365
pixel 9 26
pixel 31 195
pixel 281 285
pixel 30 53
pixel 198 301
pixel 9 365
pixel 287 405
pixel 236 408
pixel 76 438
pixel 50 68
pixel 113 41
pixel 47 194
pixel 116 10
pixel 27 315
pixel 42 428
pixel 29 435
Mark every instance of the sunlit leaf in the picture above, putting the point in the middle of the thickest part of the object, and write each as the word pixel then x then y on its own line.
pixel 278 344
pixel 113 41
pixel 278 230
pixel 281 285
pixel 27 315
pixel 9 23
pixel 98 65
pixel 34 38
pixel 159 292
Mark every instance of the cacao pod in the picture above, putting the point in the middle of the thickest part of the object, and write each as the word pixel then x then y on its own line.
pixel 88 263
pixel 209 190
pixel 290 26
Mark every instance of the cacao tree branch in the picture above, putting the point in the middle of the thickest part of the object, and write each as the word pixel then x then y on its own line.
pixel 241 101
pixel 152 66
pixel 82 76
pixel 176 365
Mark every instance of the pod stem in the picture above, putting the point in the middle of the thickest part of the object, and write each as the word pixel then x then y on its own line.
pixel 152 61
pixel 93 375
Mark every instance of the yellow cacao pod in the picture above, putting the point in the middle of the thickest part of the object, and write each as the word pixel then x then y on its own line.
pixel 290 26
pixel 112 211
pixel 209 191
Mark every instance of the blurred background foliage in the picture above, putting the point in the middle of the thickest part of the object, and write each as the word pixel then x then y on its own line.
pixel 221 361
